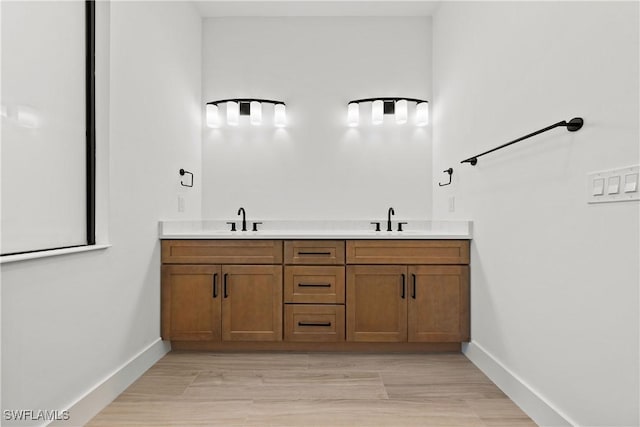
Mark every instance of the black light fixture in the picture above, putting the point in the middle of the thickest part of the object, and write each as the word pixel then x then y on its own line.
pixel 252 107
pixel 389 105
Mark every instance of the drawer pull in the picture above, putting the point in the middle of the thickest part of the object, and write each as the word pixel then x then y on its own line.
pixel 314 323
pixel 215 285
pixel 413 293
pixel 314 285
pixel 313 253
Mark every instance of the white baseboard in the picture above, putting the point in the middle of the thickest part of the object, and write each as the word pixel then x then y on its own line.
pixel 103 393
pixel 528 399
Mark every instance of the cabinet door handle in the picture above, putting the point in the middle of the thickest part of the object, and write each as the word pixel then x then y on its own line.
pixel 313 253
pixel 314 323
pixel 215 285
pixel 224 285
pixel 314 285
pixel 402 295
pixel 413 291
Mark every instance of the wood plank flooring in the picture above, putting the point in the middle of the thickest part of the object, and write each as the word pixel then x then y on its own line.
pixel 315 389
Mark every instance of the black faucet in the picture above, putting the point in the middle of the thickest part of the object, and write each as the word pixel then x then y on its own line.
pixel 244 219
pixel 389 213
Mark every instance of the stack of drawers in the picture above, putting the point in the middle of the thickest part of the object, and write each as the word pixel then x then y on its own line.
pixel 314 291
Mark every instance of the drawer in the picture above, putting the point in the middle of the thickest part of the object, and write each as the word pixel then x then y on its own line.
pixel 222 251
pixel 325 252
pixel 310 284
pixel 315 323
pixel 408 252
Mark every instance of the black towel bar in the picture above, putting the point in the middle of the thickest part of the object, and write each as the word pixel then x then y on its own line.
pixel 572 126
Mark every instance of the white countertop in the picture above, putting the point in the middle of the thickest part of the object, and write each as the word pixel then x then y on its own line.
pixel 315 229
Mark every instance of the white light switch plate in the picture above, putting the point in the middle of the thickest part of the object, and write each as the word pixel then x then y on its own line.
pixel 614 185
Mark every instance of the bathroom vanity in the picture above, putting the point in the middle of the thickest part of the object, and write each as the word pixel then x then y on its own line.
pixel 315 288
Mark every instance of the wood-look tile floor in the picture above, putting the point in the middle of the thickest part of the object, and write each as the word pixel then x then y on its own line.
pixel 315 389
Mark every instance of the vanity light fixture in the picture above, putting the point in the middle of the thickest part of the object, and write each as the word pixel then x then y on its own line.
pixel 377 114
pixel 255 113
pixel 213 121
pixel 386 105
pixel 280 115
pixel 238 107
pixel 353 114
pixel 422 113
pixel 401 111
pixel 233 113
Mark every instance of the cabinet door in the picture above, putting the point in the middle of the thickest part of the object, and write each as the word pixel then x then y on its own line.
pixel 252 303
pixel 191 296
pixel 438 303
pixel 377 303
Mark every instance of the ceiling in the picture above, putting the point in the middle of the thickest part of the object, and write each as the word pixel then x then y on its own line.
pixel 218 8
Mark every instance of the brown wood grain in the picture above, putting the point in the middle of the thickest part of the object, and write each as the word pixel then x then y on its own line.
pixel 312 389
pixel 376 310
pixel 314 284
pixel 314 323
pixel 189 310
pixel 439 303
pixel 407 252
pixel 222 251
pixel 252 309
pixel 314 252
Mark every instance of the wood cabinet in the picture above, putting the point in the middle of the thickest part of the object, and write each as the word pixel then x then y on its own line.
pixel 376 303
pixel 191 302
pixel 312 252
pixel 314 323
pixel 213 302
pixel 221 251
pixel 438 303
pixel 252 303
pixel 316 295
pixel 399 302
pixel 408 252
pixel 314 291
pixel 314 284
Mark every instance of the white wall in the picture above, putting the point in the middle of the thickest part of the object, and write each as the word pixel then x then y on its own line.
pixel 317 167
pixel 554 280
pixel 69 322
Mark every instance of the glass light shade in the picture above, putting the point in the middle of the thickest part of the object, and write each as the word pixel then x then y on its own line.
pixel 233 113
pixel 27 117
pixel 213 121
pixel 255 112
pixel 280 115
pixel 422 114
pixel 377 112
pixel 401 111
pixel 353 114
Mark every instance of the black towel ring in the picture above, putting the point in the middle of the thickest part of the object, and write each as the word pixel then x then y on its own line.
pixel 182 173
pixel 450 172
